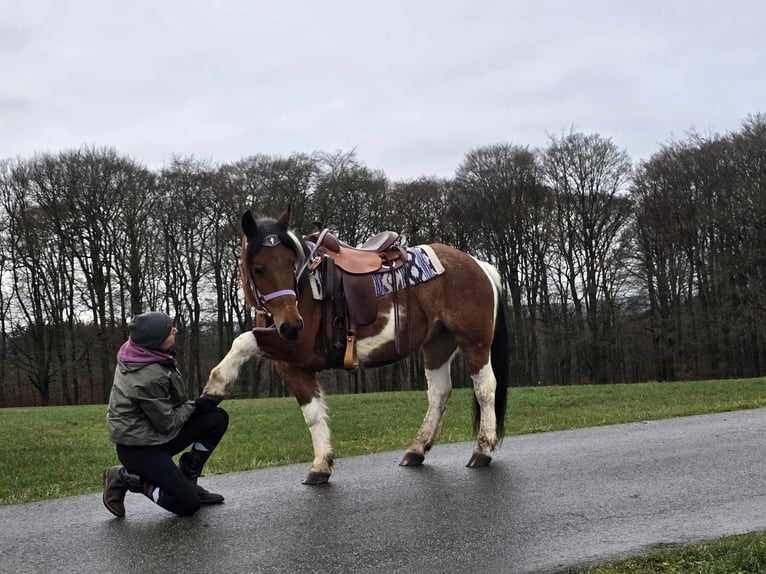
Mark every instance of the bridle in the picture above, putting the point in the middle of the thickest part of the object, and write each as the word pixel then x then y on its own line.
pixel 273 240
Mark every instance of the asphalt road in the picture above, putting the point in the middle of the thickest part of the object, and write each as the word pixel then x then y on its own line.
pixel 547 503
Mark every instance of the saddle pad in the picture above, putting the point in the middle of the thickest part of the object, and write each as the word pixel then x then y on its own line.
pixel 422 265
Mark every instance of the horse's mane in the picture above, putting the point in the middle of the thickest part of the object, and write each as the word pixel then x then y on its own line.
pixel 249 246
pixel 244 275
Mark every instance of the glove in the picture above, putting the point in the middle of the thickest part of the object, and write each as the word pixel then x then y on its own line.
pixel 206 403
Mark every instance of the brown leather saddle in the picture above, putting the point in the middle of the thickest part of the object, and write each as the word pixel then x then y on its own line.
pixel 348 281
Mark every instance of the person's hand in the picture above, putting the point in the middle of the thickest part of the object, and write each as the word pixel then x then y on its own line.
pixel 206 403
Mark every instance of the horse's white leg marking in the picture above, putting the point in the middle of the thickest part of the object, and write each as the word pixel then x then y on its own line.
pixel 439 391
pixel 243 349
pixel 315 415
pixel 484 384
pixel 365 347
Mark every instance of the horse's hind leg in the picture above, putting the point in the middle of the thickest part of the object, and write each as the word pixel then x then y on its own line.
pixel 484 385
pixel 438 356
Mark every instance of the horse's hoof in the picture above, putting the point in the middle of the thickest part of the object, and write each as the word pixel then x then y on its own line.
pixel 315 478
pixel 412 459
pixel 479 460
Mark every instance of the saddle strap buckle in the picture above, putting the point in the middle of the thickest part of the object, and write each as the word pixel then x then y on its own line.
pixel 315 263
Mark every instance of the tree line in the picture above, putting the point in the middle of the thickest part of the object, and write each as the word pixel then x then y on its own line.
pixel 614 272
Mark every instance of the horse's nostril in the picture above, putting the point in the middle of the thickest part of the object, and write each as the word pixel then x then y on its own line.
pixel 290 332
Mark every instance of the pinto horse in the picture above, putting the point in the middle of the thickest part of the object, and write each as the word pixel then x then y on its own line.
pixel 462 308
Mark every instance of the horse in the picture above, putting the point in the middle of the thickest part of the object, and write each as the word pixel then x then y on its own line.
pixel 460 307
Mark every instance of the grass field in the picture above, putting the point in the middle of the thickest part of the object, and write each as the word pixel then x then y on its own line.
pixel 50 452
pixel 743 554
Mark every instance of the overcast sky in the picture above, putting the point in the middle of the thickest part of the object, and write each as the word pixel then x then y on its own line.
pixel 411 85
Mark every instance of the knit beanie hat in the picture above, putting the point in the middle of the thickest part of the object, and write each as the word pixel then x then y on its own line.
pixel 150 329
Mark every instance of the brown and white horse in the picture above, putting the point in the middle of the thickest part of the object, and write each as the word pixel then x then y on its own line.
pixel 460 309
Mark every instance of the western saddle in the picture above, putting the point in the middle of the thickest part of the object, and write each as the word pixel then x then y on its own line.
pixel 348 286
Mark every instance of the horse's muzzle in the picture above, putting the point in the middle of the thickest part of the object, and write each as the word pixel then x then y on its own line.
pixel 290 331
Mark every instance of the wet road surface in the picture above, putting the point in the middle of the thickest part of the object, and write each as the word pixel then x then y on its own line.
pixel 548 502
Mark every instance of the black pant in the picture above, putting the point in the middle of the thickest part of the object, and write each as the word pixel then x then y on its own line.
pixel 154 464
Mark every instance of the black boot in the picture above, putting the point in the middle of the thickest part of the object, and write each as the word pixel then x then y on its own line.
pixel 117 482
pixel 191 464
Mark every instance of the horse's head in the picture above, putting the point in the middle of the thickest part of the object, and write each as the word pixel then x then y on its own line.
pixel 271 256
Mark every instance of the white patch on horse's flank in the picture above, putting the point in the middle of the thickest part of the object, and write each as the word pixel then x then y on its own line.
pixel 494 279
pixel 365 347
pixel 315 415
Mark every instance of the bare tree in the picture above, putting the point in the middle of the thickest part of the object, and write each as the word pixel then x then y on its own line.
pixel 417 210
pixel 32 342
pixel 501 197
pixel 188 191
pixel 588 175
pixel 348 197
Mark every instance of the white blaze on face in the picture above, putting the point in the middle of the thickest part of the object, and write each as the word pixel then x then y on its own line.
pixel 367 346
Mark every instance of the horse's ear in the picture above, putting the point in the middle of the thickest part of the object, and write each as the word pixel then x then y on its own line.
pixel 249 226
pixel 284 219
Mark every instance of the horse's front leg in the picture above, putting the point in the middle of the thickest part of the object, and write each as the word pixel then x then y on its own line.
pixel 304 386
pixel 243 349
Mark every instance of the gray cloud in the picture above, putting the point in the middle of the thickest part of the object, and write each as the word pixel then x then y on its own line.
pixel 412 86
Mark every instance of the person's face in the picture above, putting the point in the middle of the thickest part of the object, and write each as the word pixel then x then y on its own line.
pixel 171 340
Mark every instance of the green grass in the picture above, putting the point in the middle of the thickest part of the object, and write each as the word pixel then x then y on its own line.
pixel 743 554
pixel 50 452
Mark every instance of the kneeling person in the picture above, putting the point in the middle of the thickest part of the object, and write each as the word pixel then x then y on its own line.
pixel 151 419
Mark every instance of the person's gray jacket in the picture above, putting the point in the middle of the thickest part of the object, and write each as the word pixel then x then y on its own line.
pixel 148 404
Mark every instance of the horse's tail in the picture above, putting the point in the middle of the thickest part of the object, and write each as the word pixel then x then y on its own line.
pixel 500 364
pixel 499 354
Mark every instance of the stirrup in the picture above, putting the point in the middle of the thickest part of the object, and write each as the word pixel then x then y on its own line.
pixel 351 360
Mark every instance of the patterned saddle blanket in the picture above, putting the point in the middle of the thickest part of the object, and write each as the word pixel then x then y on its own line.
pixel 422 264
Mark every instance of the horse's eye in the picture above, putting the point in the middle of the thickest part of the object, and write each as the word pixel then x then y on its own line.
pixel 258 270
